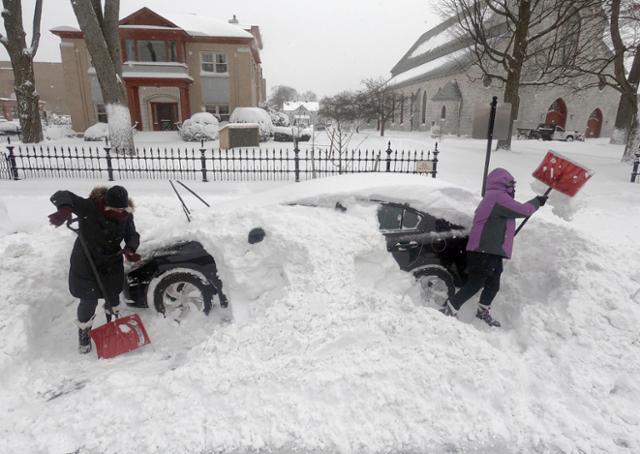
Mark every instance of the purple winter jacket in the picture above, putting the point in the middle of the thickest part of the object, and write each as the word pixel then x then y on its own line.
pixel 494 222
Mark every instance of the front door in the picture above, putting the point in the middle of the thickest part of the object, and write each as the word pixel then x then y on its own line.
pixel 165 115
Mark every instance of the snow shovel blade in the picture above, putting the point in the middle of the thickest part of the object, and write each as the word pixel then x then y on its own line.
pixel 120 336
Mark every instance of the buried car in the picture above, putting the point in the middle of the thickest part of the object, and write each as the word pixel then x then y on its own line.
pixel 420 219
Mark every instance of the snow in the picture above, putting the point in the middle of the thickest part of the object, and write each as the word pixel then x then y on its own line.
pixel 154 75
pixel 426 68
pixel 201 126
pixel 56 132
pixel 97 132
pixel 199 25
pixel 253 115
pixel 326 346
pixel 442 38
pixel 9 126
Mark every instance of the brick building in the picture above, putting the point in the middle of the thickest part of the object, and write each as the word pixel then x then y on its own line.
pixel 49 79
pixel 436 82
pixel 173 65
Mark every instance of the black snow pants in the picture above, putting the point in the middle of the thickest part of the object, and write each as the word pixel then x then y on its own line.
pixel 87 307
pixel 484 273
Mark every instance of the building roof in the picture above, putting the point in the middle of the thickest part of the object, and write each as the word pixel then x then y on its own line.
pixel 311 106
pixel 438 52
pixel 195 25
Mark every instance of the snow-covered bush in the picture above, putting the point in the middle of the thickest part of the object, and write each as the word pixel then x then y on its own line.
pixel 201 126
pixel 97 132
pixel 59 119
pixel 254 115
pixel 56 132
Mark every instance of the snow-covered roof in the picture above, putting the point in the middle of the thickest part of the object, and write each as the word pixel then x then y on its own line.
pixel 311 106
pixel 433 42
pixel 64 28
pixel 441 64
pixel 202 25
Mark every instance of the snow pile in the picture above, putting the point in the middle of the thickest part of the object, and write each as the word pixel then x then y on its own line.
pixel 279 119
pixel 97 132
pixel 9 126
pixel 6 226
pixel 201 126
pixel 56 132
pixel 254 115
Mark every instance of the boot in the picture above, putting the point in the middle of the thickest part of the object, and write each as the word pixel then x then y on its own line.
pixel 448 309
pixel 483 314
pixel 84 340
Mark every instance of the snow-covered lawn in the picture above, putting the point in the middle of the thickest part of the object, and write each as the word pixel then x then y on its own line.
pixel 334 353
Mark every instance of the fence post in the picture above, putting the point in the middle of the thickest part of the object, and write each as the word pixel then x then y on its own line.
pixel 12 162
pixel 389 157
pixel 296 161
pixel 636 163
pixel 435 161
pixel 203 161
pixel 107 151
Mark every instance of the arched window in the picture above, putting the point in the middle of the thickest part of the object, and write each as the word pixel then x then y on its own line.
pixel 443 112
pixel 424 107
pixel 402 109
pixel 557 113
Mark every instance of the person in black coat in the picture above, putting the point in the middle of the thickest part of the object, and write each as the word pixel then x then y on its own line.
pixel 105 221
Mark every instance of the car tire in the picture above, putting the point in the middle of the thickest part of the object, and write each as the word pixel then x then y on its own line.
pixel 569 138
pixel 436 284
pixel 179 289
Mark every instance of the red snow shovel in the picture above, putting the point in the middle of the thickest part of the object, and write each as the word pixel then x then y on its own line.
pixel 120 335
pixel 561 174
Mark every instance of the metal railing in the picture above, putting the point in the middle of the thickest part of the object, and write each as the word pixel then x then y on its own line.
pixel 248 164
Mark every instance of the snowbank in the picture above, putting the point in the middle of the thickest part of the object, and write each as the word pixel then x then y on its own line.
pixel 97 132
pixel 58 132
pixel 201 126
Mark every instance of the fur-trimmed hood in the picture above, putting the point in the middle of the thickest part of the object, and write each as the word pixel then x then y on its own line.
pixel 98 193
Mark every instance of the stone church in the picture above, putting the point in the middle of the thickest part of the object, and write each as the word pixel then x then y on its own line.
pixel 437 84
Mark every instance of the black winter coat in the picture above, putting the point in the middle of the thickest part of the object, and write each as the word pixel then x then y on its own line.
pixel 103 237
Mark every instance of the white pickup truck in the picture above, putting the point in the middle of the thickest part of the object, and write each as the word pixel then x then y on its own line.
pixel 556 132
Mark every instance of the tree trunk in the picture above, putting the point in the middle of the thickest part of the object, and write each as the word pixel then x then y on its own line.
pixel 633 139
pixel 21 56
pixel 624 118
pixel 511 95
pixel 107 69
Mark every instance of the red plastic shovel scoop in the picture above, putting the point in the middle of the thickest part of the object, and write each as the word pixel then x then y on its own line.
pixel 119 336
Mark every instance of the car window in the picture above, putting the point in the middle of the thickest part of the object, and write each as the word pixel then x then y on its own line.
pixel 559 128
pixel 410 220
pixel 390 217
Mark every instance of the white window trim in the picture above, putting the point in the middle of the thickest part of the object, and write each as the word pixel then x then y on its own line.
pixel 214 63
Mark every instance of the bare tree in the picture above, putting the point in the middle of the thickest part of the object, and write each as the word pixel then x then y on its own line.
pixel 100 28
pixel 21 56
pixel 377 100
pixel 617 65
pixel 514 38
pixel 281 94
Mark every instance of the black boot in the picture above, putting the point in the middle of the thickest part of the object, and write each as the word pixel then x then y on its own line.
pixel 84 339
pixel 484 315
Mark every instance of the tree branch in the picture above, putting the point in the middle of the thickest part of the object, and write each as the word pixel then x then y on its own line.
pixel 35 38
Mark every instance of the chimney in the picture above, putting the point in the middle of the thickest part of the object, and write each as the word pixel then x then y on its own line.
pixel 233 20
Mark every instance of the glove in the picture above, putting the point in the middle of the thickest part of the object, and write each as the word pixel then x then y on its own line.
pixel 60 217
pixel 130 255
pixel 542 199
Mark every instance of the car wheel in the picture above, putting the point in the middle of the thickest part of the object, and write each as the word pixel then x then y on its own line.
pixel 570 139
pixel 179 291
pixel 436 284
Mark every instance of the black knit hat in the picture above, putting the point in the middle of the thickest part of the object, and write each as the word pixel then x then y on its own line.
pixel 117 197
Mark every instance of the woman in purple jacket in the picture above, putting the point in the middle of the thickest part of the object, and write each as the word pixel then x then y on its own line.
pixel 491 240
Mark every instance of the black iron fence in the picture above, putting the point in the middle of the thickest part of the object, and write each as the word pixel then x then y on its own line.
pixel 206 164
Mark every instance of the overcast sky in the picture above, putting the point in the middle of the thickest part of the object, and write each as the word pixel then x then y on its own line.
pixel 321 45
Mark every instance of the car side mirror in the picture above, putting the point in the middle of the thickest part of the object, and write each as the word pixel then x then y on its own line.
pixel 256 235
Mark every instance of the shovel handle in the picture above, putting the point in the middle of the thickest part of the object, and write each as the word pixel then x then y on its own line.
pixel 527 218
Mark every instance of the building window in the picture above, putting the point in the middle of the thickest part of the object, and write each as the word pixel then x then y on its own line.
pixel 161 51
pixel 402 109
pixel 213 63
pixel 130 50
pixel 424 107
pixel 443 113
pixel 101 113
pixel 393 109
pixel 221 111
